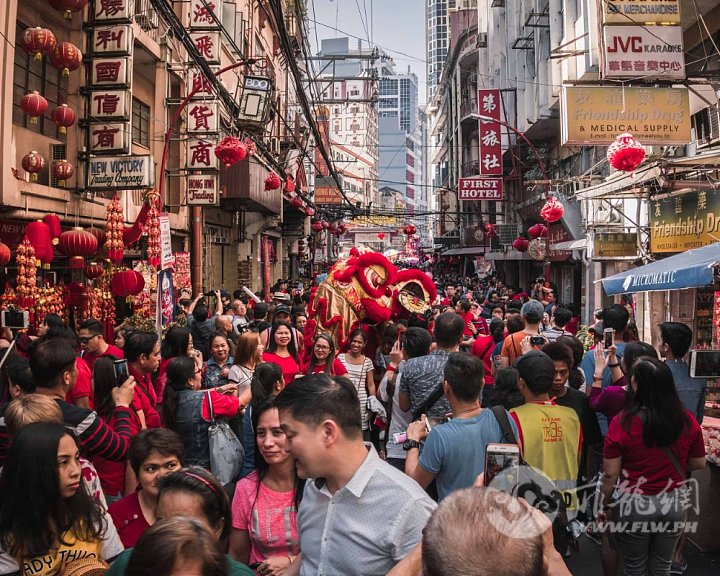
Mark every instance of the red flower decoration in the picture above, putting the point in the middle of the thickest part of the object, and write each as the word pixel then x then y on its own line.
pixel 553 210
pixel 289 185
pixel 626 153
pixel 381 235
pixel 309 210
pixel 230 150
pixel 520 244
pixel 296 202
pixel 272 182
pixel 538 231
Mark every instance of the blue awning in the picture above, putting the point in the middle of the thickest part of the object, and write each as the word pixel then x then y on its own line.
pixel 691 269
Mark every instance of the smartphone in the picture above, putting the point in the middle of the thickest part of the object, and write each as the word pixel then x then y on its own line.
pixel 537 341
pixel 121 371
pixel 608 337
pixel 499 457
pixel 400 340
pixel 705 364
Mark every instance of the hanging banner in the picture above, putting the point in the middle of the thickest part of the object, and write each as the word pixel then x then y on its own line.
pixel 490 137
pixel 165 309
pixel 166 255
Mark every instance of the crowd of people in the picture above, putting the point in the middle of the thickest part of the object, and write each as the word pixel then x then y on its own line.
pixel 369 459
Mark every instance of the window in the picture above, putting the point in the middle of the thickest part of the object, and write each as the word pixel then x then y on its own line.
pixel 140 123
pixel 29 75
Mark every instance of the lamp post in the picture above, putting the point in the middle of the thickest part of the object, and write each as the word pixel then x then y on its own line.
pixel 546 178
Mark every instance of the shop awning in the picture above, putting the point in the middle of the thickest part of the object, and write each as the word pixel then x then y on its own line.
pixel 571 245
pixel 691 269
pixel 509 255
pixel 469 251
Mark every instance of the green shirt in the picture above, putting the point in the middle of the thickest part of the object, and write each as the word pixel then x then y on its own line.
pixel 118 567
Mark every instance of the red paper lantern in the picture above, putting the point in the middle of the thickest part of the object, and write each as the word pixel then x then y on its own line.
pixel 342 228
pixel 317 226
pixel 326 225
pixel 553 210
pixel 64 117
pixel 32 163
pixel 99 234
pixel 127 283
pixel 4 254
pixel 409 230
pixel 230 150
pixel 520 244
pixel 296 202
pixel 490 230
pixel 38 234
pixel 68 6
pixel 63 171
pixel 309 211
pixel 33 105
pixel 37 42
pixel 381 235
pixel 626 153
pixel 538 231
pixel 66 57
pixel 53 222
pixel 94 270
pixel 78 244
pixel 272 182
pixel 289 185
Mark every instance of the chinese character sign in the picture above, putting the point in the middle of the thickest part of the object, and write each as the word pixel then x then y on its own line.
pixel 205 14
pixel 110 10
pixel 112 40
pixel 643 52
pixel 200 85
pixel 207 44
pixel 201 155
pixel 109 138
pixel 110 104
pixel 489 103
pixel 490 149
pixel 111 72
pixel 202 117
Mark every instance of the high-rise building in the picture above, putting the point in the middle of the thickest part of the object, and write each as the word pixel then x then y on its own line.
pixel 437 36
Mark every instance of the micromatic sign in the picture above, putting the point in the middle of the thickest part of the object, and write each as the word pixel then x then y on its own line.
pixel 480 189
pixel 121 172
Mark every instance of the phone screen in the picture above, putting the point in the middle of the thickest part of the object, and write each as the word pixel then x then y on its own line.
pixel 705 363
pixel 608 338
pixel 121 371
pixel 497 460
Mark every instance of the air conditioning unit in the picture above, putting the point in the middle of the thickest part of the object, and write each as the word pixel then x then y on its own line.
pixel 706 124
pixel 482 40
pixel 275 146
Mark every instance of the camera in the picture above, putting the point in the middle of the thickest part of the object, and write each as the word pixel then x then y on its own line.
pixel 208 294
pixel 537 341
pixel 15 319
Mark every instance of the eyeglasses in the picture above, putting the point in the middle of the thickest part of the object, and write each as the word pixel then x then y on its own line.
pixel 321 347
pixel 86 339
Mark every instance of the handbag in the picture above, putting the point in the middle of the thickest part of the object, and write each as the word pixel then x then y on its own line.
pixel 226 451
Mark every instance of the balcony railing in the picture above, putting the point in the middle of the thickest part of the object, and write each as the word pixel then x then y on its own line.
pixel 467 107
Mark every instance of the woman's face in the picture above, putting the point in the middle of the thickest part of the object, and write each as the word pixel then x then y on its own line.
pixel 300 322
pixel 153 467
pixel 195 383
pixel 220 350
pixel 282 336
pixel 120 340
pixel 259 350
pixel 68 462
pixel 357 344
pixel 174 503
pixel 321 349
pixel 270 437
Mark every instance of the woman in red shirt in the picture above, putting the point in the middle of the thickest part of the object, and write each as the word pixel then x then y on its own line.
pixel 323 360
pixel 282 350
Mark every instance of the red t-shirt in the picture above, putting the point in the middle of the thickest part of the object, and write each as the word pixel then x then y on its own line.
pixel 224 405
pixel 112 350
pixel 112 474
pixel 338 368
pixel 83 384
pixel 290 368
pixel 482 348
pixel 467 319
pixel 145 399
pixel 651 464
pixel 128 519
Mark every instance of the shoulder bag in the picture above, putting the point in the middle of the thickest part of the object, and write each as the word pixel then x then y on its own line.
pixel 226 451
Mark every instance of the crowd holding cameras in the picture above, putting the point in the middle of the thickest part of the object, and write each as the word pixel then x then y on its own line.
pixel 384 457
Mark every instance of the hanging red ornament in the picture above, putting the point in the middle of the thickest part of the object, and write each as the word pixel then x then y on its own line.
pixel 490 230
pixel 4 254
pixel 536 249
pixel 53 222
pixel 93 271
pixel 153 235
pixel 78 244
pixel 342 228
pixel 296 202
pixel 317 226
pixel 326 225
pixel 520 244
pixel 68 6
pixel 127 283
pixel 626 153
pixel 538 231
pixel 99 233
pixel 272 182
pixel 33 105
pixel 381 235
pixel 63 171
pixel 230 150
pixel 32 163
pixel 409 230
pixel 66 57
pixel 37 42
pixel 250 146
pixel 289 185
pixel 114 227
pixel 553 210
pixel 309 211
pixel 64 117
pixel 38 234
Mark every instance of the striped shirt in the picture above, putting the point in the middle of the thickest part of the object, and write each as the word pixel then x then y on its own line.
pixel 358 375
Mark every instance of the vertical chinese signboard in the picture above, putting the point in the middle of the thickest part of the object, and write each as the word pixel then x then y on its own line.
pixel 489 133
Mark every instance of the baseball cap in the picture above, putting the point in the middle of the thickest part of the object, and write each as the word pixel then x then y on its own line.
pixel 532 307
pixel 283 309
pixel 537 369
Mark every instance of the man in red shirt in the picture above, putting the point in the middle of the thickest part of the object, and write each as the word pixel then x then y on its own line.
pixel 92 342
pixel 143 355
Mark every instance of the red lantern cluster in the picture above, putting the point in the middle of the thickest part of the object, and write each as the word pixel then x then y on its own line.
pixel 78 244
pixel 63 171
pixel 552 211
pixel 538 231
pixel 68 6
pixel 409 230
pixel 64 117
pixel 520 244
pixel 114 231
pixel 230 150
pixel 127 283
pixel 626 153
pixel 33 105
pixel 32 163
pixel 66 57
pixel 37 42
pixel 272 182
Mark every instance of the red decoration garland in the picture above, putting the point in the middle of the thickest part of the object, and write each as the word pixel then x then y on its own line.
pixel 520 244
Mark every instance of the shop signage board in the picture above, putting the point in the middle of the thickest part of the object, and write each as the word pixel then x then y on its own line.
pixel 166 255
pixel 490 162
pixel 111 138
pixel 202 190
pixel 680 223
pixel 203 117
pixel 111 72
pixel 595 115
pixel 614 245
pixel 201 155
pixel 110 104
pixel 113 10
pixel 643 51
pixel 121 172
pixel 327 195
pixel 208 45
pixel 480 188
pixel 631 11
pixel 205 14
pixel 112 40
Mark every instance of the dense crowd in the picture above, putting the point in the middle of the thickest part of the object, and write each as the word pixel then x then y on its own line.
pixel 365 460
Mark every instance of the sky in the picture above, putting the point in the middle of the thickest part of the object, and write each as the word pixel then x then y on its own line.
pixel 397 26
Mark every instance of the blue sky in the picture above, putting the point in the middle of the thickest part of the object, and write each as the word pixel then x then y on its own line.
pixel 398 26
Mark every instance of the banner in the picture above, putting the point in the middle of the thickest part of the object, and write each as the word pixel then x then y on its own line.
pixel 480 189
pixel 165 300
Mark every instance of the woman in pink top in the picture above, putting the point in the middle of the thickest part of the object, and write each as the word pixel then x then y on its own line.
pixel 282 350
pixel 264 509
pixel 323 359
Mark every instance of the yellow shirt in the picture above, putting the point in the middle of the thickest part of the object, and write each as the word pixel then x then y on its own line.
pixel 54 562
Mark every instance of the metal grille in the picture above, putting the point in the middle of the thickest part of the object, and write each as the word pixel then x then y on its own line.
pixel 507 233
pixel 57 152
